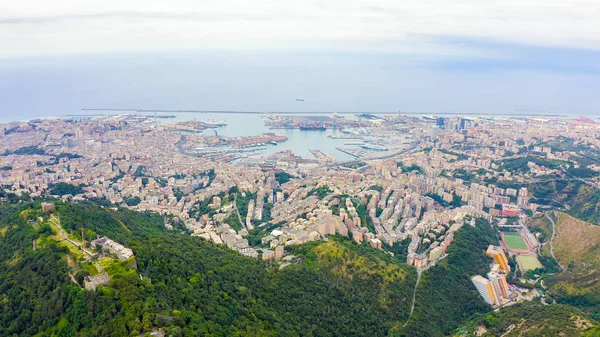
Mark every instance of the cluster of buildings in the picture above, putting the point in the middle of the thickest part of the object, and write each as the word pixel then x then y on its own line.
pixel 418 198
pixel 224 234
pixel 494 289
pixel 436 251
pixel 109 246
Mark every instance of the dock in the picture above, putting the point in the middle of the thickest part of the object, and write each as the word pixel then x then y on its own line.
pixel 322 157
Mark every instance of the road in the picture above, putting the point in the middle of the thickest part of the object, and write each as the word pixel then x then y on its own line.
pixel 55 221
pixel 237 211
pixel 412 308
pixel 386 156
pixel 552 241
pixel 419 271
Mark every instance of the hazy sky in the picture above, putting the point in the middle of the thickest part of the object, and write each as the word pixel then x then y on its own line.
pixel 378 55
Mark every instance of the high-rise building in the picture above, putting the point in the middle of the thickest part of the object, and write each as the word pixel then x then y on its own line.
pixel 500 285
pixel 523 198
pixel 410 258
pixel 440 122
pixel 433 132
pixel 485 289
pixel 497 253
pixel 420 260
pixel 435 253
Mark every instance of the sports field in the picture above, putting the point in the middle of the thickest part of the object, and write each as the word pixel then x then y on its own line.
pixel 528 262
pixel 515 241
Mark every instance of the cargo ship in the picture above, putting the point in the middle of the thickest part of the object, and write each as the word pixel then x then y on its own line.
pixel 312 127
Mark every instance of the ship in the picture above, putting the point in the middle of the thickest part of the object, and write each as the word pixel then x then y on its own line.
pixel 374 147
pixel 211 123
pixel 368 116
pixel 312 127
pixel 161 116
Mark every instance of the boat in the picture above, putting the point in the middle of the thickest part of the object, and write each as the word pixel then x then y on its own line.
pixel 273 142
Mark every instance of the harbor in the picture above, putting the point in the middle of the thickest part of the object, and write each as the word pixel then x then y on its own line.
pixel 311 123
pixel 336 137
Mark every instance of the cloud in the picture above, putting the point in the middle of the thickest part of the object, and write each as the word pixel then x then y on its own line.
pixel 31 27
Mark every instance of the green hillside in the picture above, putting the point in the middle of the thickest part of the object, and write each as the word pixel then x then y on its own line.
pixel 530 319
pixel 445 295
pixel 577 198
pixel 577 247
pixel 187 286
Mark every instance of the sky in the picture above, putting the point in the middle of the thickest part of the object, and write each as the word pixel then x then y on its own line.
pixel 353 55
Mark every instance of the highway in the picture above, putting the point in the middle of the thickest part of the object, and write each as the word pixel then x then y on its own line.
pixel 386 156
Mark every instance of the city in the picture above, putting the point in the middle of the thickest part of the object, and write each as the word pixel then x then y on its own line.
pixel 449 170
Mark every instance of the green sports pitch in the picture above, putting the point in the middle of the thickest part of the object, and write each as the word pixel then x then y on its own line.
pixel 514 241
pixel 528 262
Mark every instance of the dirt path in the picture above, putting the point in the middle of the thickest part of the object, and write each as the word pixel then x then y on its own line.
pixel 552 241
pixel 74 280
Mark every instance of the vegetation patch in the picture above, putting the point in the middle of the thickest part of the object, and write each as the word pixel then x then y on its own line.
pixel 64 189
pixel 529 319
pixel 520 164
pixel 283 177
pixel 577 243
pixel 320 192
pixel 577 247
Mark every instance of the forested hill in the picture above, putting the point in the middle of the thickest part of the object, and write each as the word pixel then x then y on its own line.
pixel 445 295
pixel 185 285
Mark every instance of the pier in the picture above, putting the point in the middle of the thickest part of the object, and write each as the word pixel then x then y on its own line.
pixel 322 157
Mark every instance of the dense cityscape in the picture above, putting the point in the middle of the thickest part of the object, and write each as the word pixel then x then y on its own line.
pixel 299 168
pixel 415 182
